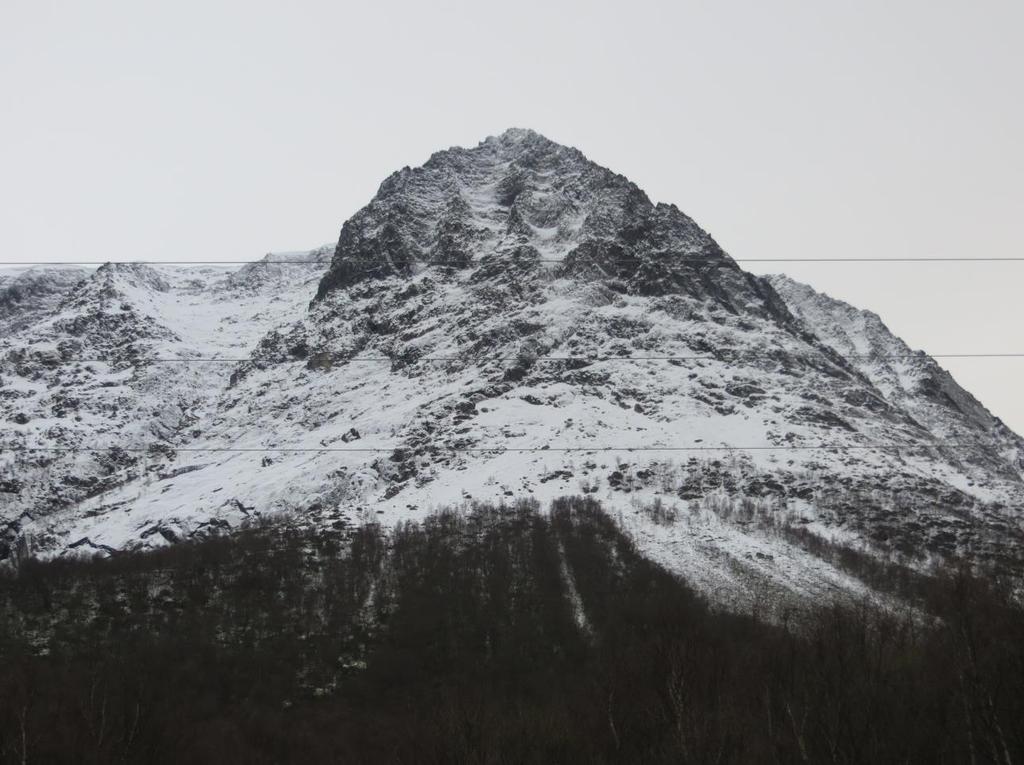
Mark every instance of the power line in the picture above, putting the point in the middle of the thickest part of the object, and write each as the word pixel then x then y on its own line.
pixel 638 260
pixel 589 359
pixel 458 449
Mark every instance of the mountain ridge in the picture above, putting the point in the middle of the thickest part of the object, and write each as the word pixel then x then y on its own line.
pixel 472 319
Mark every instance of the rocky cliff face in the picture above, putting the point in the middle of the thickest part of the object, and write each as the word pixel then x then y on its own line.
pixel 508 320
pixel 522 197
pixel 28 294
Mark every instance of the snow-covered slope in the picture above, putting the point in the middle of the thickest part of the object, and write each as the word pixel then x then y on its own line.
pixel 131 357
pixel 506 320
pixel 912 380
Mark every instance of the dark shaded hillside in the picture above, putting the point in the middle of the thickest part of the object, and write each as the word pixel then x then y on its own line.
pixel 489 636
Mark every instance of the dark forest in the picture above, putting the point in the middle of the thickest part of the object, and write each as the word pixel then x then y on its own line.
pixel 495 635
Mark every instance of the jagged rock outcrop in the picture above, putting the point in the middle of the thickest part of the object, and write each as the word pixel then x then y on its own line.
pixel 27 294
pixel 521 196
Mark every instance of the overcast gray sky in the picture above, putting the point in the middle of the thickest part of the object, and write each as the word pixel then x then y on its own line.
pixel 204 129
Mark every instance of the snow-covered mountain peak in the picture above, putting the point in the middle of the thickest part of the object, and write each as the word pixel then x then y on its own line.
pixel 133 275
pixel 507 320
pixel 518 135
pixel 521 195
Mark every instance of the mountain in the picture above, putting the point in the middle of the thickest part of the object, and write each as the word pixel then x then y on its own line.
pixel 506 321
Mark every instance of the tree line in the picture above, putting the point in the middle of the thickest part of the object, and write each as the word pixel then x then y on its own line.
pixel 500 634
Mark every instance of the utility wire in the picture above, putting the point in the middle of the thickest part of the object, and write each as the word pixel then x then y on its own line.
pixel 589 359
pixel 458 449
pixel 638 260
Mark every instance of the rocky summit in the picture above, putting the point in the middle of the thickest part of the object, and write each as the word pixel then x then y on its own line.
pixel 507 321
